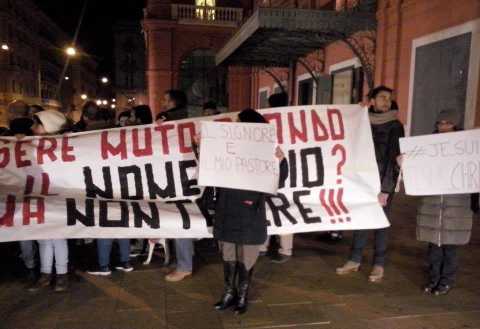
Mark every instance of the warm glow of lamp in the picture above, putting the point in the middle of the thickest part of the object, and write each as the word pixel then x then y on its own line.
pixel 70 51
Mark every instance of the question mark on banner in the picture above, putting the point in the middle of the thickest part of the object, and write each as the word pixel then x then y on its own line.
pixel 339 148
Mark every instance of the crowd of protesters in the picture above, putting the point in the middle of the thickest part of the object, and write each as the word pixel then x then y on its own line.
pixel 240 226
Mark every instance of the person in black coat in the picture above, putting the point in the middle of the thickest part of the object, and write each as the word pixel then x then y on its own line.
pixel 386 132
pixel 241 228
pixel 175 104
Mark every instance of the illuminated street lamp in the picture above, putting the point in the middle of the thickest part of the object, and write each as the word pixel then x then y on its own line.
pixel 99 102
pixel 5 47
pixel 113 106
pixel 104 80
pixel 104 102
pixel 67 78
pixel 114 100
pixel 84 96
pixel 70 51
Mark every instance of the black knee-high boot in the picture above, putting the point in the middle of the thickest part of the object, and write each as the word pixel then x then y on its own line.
pixel 244 278
pixel 229 297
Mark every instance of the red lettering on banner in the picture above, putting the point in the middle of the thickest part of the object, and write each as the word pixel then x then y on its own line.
pixel 19 153
pixel 7 218
pixel 28 214
pixel 331 196
pixel 48 150
pixel 5 154
pixel 31 182
pixel 163 129
pixel 46 185
pixel 340 200
pixel 277 118
pixel 147 150
pixel 324 203
pixel 190 126
pixel 294 132
pixel 320 132
pixel 29 185
pixel 108 149
pixel 334 206
pixel 66 148
pixel 223 120
pixel 332 114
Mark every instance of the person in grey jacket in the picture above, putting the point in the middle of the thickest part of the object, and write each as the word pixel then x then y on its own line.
pixel 444 221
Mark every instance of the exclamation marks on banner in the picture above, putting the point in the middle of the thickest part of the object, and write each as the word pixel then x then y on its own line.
pixel 332 199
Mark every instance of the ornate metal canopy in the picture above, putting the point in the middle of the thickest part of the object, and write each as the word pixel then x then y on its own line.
pixel 274 37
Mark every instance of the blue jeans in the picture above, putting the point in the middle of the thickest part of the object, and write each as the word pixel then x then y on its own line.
pixel 360 239
pixel 28 253
pixel 53 250
pixel 184 254
pixel 104 248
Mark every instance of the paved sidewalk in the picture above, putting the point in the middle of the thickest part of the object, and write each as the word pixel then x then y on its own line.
pixel 304 293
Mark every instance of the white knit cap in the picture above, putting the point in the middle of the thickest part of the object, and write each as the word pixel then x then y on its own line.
pixel 52 121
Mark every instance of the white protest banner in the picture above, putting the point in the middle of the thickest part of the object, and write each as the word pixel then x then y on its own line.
pixel 446 163
pixel 141 181
pixel 238 155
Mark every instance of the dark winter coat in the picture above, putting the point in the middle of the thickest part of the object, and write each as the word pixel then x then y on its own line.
pixel 387 147
pixel 177 113
pixel 240 215
pixel 444 219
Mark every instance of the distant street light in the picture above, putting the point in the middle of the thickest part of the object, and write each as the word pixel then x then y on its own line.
pixel 84 96
pixel 104 80
pixel 67 78
pixel 104 102
pixel 113 106
pixel 70 51
pixel 5 47
pixel 99 102
pixel 114 100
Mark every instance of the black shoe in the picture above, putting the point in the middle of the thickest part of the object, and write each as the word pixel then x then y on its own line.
pixel 43 281
pixel 61 283
pixel 124 267
pixel 101 271
pixel 280 259
pixel 244 278
pixel 429 288
pixel 441 290
pixel 229 296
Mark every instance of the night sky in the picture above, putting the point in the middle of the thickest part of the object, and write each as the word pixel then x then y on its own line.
pixel 96 34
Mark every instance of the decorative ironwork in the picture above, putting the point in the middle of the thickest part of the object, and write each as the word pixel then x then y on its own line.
pixel 191 14
pixel 277 80
pixel 363 45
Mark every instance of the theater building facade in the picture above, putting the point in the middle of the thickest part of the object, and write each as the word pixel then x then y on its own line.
pixel 319 52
